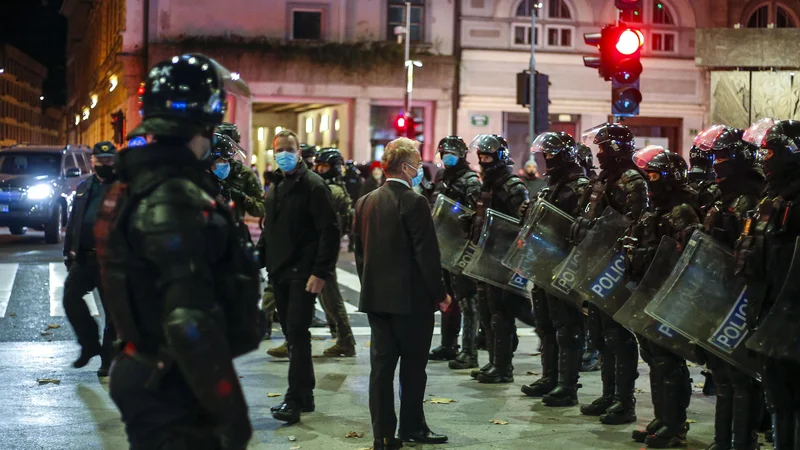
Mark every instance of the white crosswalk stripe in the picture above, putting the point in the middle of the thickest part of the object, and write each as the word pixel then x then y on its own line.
pixel 8 272
pixel 58 273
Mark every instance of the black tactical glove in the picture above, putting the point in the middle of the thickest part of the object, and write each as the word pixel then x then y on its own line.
pixel 523 209
pixel 579 230
pixel 466 221
pixel 747 263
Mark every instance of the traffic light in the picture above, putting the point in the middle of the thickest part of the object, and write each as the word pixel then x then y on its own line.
pixel 626 68
pixel 629 10
pixel 118 125
pixel 541 99
pixel 604 41
pixel 406 126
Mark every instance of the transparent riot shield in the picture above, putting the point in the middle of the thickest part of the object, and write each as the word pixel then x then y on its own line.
pixel 575 268
pixel 701 301
pixel 499 233
pixel 778 336
pixel 632 315
pixel 453 241
pixel 542 243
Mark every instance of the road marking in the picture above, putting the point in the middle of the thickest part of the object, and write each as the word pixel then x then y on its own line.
pixel 58 274
pixel 8 272
pixel 365 331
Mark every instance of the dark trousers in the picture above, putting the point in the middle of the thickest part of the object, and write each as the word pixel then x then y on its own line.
pixel 739 408
pixel 617 345
pixel 407 338
pixel 670 385
pixel 165 418
pixel 83 278
pixel 295 307
pixel 333 304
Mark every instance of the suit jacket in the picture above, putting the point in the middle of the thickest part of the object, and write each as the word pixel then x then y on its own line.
pixel 301 231
pixel 397 253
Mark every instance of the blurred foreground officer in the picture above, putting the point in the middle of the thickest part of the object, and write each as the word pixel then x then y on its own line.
pixel 398 261
pixel 80 258
pixel 328 165
pixel 300 244
pixel 182 287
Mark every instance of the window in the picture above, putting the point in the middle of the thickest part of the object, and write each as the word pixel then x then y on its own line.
pixel 784 19
pixel 559 36
pixel 664 42
pixel 397 18
pixel 526 6
pixel 759 18
pixel 306 24
pixel 522 34
pixel 557 9
pixel 83 164
pixel 767 16
pixel 661 14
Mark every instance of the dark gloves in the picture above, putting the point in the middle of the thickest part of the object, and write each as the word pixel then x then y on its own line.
pixel 523 209
pixel 466 221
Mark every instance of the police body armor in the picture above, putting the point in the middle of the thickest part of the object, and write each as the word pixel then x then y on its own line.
pixel 463 186
pixel 707 191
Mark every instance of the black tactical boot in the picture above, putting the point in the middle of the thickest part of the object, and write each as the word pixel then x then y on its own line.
pixel 468 357
pixel 746 411
pixel 608 375
pixel 502 371
pixel 566 394
pixel 657 395
pixel 442 353
pixel 675 395
pixel 723 416
pixel 489 337
pixel 709 387
pixel 451 326
pixel 667 437
pixel 489 365
pixel 651 428
pixel 621 412
pixel 549 379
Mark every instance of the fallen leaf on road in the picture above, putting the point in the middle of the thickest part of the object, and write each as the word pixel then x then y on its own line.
pixel 688 364
pixel 368 343
pixel 46 333
pixel 12 315
pixel 638 391
pixel 272 394
pixel 536 353
pixel 690 421
pixel 442 401
pixel 296 447
pixel 354 434
pixel 498 422
pixel 317 338
pixel 42 381
pixel 53 326
pixel 292 438
pixel 530 372
pixel 700 385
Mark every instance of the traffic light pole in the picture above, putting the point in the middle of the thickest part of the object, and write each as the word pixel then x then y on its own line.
pixel 532 101
pixel 408 65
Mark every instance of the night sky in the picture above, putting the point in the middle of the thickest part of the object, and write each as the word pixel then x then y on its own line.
pixel 37 28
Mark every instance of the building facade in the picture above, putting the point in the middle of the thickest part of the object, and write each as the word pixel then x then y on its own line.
pixel 22 120
pixel 325 68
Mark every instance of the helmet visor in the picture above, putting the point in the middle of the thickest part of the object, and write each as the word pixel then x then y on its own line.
pixel 548 143
pixel 757 131
pixel 643 157
pixel 485 143
pixel 706 139
pixel 225 147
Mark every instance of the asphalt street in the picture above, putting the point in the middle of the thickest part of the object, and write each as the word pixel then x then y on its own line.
pixel 46 404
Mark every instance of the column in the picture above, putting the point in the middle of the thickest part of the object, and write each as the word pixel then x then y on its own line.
pixel 360 118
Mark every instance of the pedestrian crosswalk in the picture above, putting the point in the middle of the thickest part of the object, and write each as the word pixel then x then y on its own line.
pixel 8 272
pixel 57 276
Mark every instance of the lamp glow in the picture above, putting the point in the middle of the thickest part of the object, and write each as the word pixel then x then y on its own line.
pixel 261 134
pixel 323 124
pixel 40 192
pixel 629 42
pixel 86 113
pixel 113 81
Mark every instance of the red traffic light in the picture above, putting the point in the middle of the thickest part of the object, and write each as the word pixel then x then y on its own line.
pixel 629 41
pixel 401 122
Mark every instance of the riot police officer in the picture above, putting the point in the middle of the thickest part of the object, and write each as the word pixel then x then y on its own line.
pixel 309 154
pixel 591 357
pixel 620 185
pixel 194 303
pixel 674 214
pixel 328 165
pixel 504 192
pixel 741 186
pixel 558 323
pixel 237 182
pixel 586 160
pixel 764 255
pixel 461 184
pixel 80 257
pixel 353 181
pixel 702 178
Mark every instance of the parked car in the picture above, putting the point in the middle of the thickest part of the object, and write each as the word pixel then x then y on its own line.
pixel 37 184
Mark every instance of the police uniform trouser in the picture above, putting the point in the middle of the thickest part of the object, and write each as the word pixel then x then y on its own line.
pixel 295 307
pixel 465 294
pixel 162 418
pixel 619 351
pixel 670 385
pixel 82 279
pixel 738 408
pixel 568 323
pixel 333 303
pixel 451 319
pixel 547 336
pixel 504 308
pixel 783 401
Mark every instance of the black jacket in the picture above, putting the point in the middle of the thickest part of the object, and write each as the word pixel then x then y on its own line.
pixel 397 253
pixel 72 238
pixel 301 233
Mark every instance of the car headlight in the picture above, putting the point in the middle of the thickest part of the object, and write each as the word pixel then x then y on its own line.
pixel 40 191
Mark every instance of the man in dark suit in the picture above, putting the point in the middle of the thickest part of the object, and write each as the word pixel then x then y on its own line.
pixel 398 261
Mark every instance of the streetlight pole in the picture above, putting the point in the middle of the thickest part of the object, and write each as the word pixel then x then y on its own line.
pixel 532 101
pixel 408 65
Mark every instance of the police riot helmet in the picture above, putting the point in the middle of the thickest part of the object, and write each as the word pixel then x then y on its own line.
pixel 183 96
pixel 557 149
pixel 492 145
pixel 230 129
pixel 730 153
pixel 701 162
pixel 665 170
pixel 615 143
pixel 224 147
pixel 780 150
pixel 333 158
pixel 453 145
pixel 585 157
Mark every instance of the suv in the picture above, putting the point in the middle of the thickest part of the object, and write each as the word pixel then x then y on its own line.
pixel 37 184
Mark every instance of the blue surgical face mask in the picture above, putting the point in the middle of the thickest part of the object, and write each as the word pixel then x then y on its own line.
pixel 222 170
pixel 417 179
pixel 450 160
pixel 286 161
